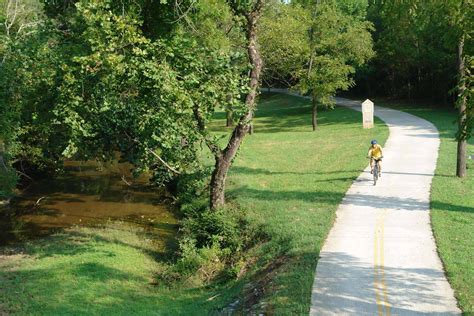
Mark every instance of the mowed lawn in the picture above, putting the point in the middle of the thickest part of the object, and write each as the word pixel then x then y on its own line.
pixel 286 177
pixel 452 204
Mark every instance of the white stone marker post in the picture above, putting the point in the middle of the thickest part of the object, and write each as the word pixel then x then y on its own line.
pixel 368 113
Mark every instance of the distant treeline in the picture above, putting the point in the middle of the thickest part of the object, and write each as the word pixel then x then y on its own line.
pixel 416 44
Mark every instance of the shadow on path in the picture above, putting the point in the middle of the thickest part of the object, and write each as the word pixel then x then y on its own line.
pixel 402 283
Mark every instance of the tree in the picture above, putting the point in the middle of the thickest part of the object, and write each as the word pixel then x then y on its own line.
pixel 315 46
pixel 283 34
pixel 250 11
pixel 213 25
pixel 151 97
pixel 135 87
pixel 462 22
pixel 339 41
pixel 21 34
pixel 126 92
pixel 457 18
pixel 412 60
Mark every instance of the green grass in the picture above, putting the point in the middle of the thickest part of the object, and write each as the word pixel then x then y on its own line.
pixel 287 178
pixel 90 271
pixel 452 205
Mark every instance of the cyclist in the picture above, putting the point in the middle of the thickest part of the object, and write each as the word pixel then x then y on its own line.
pixel 375 154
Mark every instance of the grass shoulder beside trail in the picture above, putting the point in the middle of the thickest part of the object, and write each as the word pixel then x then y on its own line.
pixel 287 178
pixel 452 203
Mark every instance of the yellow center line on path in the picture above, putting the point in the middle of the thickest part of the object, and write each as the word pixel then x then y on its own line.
pixel 382 258
pixel 381 292
pixel 376 266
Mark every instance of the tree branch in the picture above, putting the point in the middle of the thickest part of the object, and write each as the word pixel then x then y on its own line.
pixel 154 154
pixel 202 129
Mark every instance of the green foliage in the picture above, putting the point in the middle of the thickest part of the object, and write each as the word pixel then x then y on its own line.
pixel 8 176
pixel 416 45
pixel 212 24
pixel 199 265
pixel 192 188
pixel 29 72
pixel 103 77
pixel 105 86
pixel 242 7
pixel 315 47
pixel 209 227
pixel 339 42
pixel 212 243
pixel 283 34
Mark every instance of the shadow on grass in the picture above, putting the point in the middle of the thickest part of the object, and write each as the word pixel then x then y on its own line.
pixel 278 113
pixel 451 207
pixel 96 289
pixel 72 273
pixel 71 243
pixel 368 200
pixel 250 171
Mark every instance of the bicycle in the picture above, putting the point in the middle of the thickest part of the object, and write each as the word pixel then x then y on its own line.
pixel 376 172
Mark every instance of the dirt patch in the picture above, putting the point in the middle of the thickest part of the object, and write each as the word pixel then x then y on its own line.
pixel 251 301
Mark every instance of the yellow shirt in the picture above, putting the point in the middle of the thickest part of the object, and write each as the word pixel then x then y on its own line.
pixel 375 152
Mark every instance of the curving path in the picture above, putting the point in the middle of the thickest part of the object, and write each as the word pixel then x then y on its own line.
pixel 380 257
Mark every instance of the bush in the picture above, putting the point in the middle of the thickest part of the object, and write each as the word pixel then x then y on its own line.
pixel 212 244
pixel 225 226
pixel 199 265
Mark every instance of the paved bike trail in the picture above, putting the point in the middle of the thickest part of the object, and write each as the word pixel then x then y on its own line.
pixel 380 257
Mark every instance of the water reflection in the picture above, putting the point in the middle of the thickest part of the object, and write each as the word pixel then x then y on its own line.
pixel 87 193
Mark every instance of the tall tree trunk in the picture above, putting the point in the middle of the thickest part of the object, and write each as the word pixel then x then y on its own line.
pixel 225 158
pixel 314 120
pixel 228 118
pixel 218 182
pixel 462 143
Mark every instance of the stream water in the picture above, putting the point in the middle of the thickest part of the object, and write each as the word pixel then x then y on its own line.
pixel 87 193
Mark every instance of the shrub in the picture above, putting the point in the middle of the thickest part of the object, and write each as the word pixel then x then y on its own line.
pixel 199 265
pixel 212 244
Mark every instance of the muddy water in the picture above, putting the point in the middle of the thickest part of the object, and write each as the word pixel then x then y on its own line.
pixel 87 193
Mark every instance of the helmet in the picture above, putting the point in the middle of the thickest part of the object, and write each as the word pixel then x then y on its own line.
pixel 373 142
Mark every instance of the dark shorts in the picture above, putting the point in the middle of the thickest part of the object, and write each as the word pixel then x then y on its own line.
pixel 377 159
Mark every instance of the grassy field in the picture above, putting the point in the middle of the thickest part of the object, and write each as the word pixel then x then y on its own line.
pixel 452 205
pixel 287 178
